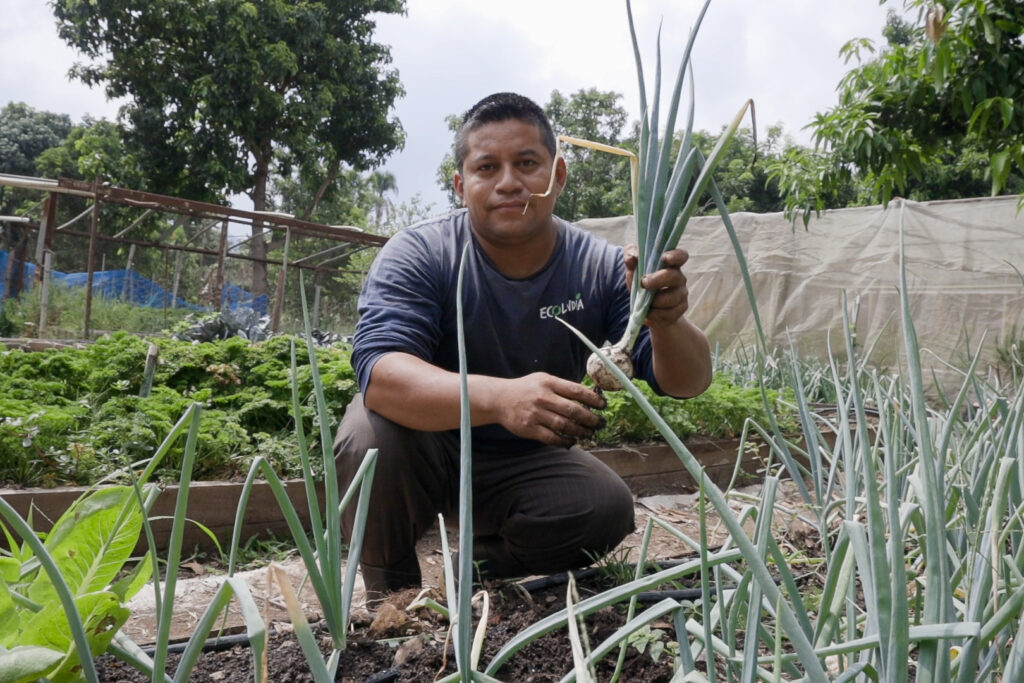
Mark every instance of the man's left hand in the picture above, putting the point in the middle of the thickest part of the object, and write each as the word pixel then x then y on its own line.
pixel 671 299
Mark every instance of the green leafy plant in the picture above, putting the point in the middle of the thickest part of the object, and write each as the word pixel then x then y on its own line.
pixel 46 587
pixel 722 411
pixel 652 641
pixel 72 415
pixel 64 595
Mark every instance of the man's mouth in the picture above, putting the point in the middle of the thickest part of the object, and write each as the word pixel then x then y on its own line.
pixel 516 205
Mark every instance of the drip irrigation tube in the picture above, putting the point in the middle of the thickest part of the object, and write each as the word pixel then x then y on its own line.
pixel 562 578
pixel 645 598
pixel 211 645
pixel 217 644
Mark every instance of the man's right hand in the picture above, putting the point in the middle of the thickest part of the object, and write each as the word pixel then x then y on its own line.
pixel 549 409
pixel 408 390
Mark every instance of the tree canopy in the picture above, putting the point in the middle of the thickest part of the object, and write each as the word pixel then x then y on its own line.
pixel 93 148
pixel 218 91
pixel 598 183
pixel 25 133
pixel 937 112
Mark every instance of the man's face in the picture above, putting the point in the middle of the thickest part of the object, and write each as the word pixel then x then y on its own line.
pixel 506 162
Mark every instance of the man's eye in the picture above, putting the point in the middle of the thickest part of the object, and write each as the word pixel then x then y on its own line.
pixel 528 163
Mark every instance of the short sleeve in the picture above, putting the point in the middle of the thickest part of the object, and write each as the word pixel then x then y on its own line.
pixel 400 306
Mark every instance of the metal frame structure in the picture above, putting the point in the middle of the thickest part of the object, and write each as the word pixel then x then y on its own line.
pixel 353 239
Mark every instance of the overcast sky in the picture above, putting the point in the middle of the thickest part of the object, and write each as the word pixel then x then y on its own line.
pixel 450 53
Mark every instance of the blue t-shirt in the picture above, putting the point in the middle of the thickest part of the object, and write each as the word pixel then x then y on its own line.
pixel 408 304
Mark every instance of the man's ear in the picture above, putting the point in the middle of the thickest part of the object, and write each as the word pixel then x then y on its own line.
pixel 457 184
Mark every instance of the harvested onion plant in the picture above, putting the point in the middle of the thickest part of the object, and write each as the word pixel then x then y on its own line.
pixel 667 188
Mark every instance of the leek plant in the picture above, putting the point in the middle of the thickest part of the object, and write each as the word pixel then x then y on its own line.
pixel 333 580
pixel 666 193
pixel 922 569
pixel 460 599
pixel 129 651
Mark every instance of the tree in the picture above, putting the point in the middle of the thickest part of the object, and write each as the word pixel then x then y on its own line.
pixel 94 148
pixel 25 133
pixel 446 169
pixel 598 182
pixel 952 81
pixel 744 174
pixel 220 90
pixel 381 185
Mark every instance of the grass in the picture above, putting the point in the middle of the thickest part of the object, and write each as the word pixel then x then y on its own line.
pixel 19 317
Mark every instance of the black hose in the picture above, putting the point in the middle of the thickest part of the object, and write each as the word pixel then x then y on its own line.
pixel 211 645
pixel 560 579
pixel 645 598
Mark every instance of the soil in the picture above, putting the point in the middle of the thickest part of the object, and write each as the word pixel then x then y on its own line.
pixel 410 645
pixel 399 645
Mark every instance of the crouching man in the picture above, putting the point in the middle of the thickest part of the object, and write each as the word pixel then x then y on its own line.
pixel 541 504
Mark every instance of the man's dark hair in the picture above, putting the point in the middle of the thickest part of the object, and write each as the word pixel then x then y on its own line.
pixel 502 106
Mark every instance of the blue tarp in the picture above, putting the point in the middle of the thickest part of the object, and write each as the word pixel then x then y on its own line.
pixel 128 285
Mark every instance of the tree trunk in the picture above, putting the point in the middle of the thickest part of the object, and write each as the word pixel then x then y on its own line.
pixel 332 174
pixel 258 245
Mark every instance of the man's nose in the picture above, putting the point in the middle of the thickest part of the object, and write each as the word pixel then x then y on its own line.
pixel 508 179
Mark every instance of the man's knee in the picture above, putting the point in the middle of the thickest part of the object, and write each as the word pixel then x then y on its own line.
pixel 410 483
pixel 612 520
pixel 361 429
pixel 586 530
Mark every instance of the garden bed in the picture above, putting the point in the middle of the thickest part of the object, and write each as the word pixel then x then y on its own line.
pixel 402 644
pixel 73 413
pixel 649 469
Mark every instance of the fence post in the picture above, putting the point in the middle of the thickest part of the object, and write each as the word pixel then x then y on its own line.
pixel 220 264
pixel 127 290
pixel 44 291
pixel 279 291
pixel 91 261
pixel 179 259
pixel 45 238
pixel 152 354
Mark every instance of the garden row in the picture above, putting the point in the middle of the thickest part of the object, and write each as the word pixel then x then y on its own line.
pixel 75 415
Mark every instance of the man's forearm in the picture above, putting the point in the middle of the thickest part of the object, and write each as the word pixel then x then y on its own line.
pixel 682 358
pixel 416 394
pixel 539 406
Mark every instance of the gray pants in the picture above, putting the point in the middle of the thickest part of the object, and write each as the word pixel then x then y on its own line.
pixel 539 512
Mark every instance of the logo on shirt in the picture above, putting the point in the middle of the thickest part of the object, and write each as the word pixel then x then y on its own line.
pixel 574 304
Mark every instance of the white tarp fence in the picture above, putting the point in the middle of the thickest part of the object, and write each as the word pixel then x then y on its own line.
pixel 960 255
